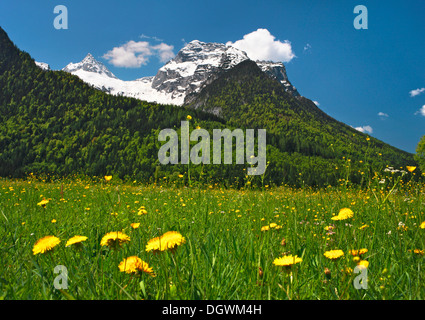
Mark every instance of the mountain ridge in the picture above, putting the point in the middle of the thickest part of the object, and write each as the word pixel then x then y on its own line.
pixel 194 66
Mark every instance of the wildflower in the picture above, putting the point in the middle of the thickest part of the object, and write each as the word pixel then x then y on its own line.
pixel 45 244
pixel 275 226
pixel 135 225
pixel 53 221
pixel 43 203
pixel 134 264
pixel 333 254
pixel 402 226
pixel 410 168
pixel 358 252
pixel 327 273
pixel 189 117
pixel 422 226
pixel 265 228
pixel 287 261
pixel 168 240
pixel 77 240
pixel 418 251
pixel 363 264
pixel 114 239
pixel 142 211
pixel 108 178
pixel 343 214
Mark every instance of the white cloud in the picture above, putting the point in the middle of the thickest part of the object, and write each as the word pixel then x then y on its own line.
pixel 421 111
pixel 416 92
pixel 307 47
pixel 261 45
pixel 365 129
pixel 143 36
pixel 164 52
pixel 383 115
pixel 135 54
pixel 316 103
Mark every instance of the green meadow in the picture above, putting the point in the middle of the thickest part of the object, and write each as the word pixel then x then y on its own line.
pixel 231 240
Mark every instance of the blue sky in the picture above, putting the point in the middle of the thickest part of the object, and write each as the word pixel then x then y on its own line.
pixel 353 74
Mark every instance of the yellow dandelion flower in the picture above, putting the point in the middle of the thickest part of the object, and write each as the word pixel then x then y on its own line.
pixel 422 226
pixel 410 168
pixel 45 244
pixel 114 239
pixel 135 225
pixel 77 240
pixel 334 254
pixel 363 264
pixel 134 264
pixel 189 117
pixel 418 251
pixel 53 221
pixel 363 227
pixel 343 214
pixel 142 211
pixel 43 203
pixel 168 240
pixel 358 252
pixel 287 261
pixel 265 228
pixel 108 178
pixel 273 225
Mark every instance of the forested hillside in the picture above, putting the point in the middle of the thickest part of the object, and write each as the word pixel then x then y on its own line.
pixel 53 123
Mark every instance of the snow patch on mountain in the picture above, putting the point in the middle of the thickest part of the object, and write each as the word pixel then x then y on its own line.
pixel 42 65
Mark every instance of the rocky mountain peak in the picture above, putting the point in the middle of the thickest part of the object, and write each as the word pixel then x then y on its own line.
pixel 195 66
pixel 89 64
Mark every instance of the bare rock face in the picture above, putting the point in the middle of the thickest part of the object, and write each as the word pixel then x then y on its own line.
pixel 194 65
pixel 277 70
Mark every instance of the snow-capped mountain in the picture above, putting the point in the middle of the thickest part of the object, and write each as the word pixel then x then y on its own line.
pixel 89 64
pixel 195 66
pixel 42 65
pixel 97 74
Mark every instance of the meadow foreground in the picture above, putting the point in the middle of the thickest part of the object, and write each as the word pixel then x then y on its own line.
pixel 128 241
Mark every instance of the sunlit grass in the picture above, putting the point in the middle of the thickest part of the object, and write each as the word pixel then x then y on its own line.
pixel 231 238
